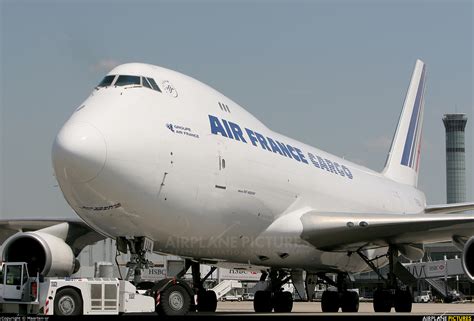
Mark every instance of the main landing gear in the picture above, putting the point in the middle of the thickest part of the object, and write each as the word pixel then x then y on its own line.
pixel 391 295
pixel 273 298
pixel 331 301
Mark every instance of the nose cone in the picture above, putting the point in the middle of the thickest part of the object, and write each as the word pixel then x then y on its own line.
pixel 79 152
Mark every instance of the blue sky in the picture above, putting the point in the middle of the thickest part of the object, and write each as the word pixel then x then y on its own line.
pixel 332 74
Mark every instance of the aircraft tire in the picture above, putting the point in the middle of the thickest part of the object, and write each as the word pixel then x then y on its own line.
pixel 403 301
pixel 263 301
pixel 350 301
pixel 207 301
pixel 330 301
pixel 383 301
pixel 283 301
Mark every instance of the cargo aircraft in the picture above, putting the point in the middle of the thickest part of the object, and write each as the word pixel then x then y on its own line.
pixel 161 162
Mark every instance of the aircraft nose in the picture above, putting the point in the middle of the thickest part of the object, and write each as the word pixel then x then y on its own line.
pixel 79 152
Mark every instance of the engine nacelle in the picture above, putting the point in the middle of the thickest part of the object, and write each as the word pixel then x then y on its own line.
pixel 45 253
pixel 468 258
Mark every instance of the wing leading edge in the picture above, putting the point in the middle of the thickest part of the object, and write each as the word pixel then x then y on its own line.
pixel 449 208
pixel 352 232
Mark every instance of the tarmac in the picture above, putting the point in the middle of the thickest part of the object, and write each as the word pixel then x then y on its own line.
pixel 303 310
pixel 364 308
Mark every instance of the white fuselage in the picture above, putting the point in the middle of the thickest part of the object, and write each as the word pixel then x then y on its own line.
pixel 132 161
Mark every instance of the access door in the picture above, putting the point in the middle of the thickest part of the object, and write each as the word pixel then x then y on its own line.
pixel 221 173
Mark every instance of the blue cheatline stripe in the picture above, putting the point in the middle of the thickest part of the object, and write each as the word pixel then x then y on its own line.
pixel 417 134
pixel 409 142
pixel 416 146
pixel 419 104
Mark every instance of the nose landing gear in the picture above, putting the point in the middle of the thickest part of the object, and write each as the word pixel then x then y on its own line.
pixel 173 296
pixel 138 247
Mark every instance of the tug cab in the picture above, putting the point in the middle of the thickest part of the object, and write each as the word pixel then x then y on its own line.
pixel 16 284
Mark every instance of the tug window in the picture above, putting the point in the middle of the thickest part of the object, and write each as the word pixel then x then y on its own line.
pixel 124 80
pixel 107 81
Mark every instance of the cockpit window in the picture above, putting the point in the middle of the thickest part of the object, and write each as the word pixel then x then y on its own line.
pixel 124 80
pixel 129 80
pixel 107 81
pixel 145 83
pixel 153 84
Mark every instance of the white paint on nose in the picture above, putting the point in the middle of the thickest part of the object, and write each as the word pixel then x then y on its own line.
pixel 79 152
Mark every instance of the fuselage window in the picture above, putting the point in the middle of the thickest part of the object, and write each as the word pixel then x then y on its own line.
pixel 124 80
pixel 145 83
pixel 107 81
pixel 153 84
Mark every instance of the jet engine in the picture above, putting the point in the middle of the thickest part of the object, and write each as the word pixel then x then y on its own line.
pixel 468 258
pixel 45 253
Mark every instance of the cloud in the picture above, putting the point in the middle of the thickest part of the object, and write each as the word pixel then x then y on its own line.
pixel 105 64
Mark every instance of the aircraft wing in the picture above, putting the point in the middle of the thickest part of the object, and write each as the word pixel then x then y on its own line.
pixel 450 208
pixel 351 232
pixel 79 234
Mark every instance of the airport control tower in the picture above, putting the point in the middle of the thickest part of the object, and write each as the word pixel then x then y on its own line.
pixel 455 157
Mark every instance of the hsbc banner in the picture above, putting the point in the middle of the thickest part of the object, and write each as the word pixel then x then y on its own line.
pixel 241 275
pixel 159 273
pixel 435 269
pixel 154 273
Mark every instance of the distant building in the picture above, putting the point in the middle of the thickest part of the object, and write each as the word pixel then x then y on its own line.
pixel 454 125
pixel 455 157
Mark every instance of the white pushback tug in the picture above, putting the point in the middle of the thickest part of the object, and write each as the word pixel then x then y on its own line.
pixel 25 294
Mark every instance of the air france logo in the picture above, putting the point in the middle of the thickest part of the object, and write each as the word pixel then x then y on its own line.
pixel 182 130
pixel 170 127
pixel 233 131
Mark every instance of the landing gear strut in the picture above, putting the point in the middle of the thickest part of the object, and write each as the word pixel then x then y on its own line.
pixel 391 295
pixel 331 301
pixel 273 297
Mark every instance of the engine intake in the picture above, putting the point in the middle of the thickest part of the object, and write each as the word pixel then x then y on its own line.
pixel 468 258
pixel 45 253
